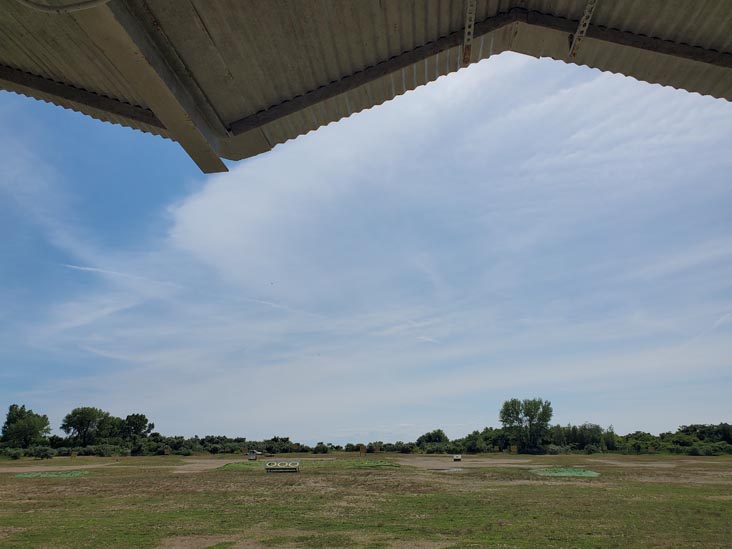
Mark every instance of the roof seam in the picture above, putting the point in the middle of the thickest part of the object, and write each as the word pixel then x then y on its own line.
pixel 631 33
pixel 91 112
pixel 150 116
pixel 515 14
pixel 456 33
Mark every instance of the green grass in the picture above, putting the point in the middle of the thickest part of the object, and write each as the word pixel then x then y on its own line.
pixel 53 474
pixel 329 464
pixel 357 502
pixel 152 461
pixel 564 472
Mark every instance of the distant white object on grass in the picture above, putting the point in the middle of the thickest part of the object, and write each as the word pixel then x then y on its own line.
pixel 457 457
pixel 282 467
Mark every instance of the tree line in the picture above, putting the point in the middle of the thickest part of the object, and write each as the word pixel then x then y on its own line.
pixel 525 428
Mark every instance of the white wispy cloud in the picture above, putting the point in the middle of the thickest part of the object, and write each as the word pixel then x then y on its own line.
pixel 117 273
pixel 411 266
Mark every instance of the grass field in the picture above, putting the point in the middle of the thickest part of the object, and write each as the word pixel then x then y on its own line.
pixel 384 501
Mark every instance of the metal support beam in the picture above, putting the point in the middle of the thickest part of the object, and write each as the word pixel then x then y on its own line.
pixel 365 76
pixel 579 34
pixel 121 39
pixel 66 92
pixel 632 40
pixel 482 28
pixel 469 31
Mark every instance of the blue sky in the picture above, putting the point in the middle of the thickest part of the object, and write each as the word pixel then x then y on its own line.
pixel 522 228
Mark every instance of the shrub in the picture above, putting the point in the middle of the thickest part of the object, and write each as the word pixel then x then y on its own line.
pixel 104 450
pixel 724 447
pixel 40 452
pixel 556 449
pixel 14 453
pixel 593 449
pixel 321 448
pixel 407 448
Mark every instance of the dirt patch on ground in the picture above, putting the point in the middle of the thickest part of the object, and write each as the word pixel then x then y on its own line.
pixel 194 465
pixel 49 468
pixel 422 544
pixel 442 463
pixel 704 461
pixel 201 542
pixel 7 531
pixel 199 465
pixel 629 463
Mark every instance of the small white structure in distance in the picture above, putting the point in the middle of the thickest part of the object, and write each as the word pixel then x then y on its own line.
pixel 282 466
pixel 457 457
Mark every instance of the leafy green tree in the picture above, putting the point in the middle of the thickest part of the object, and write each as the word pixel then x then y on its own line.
pixel 320 448
pixel 84 423
pixel 437 436
pixel 558 435
pixel 609 439
pixel 137 425
pixel 527 422
pixel 24 428
pixel 110 427
pixel 474 443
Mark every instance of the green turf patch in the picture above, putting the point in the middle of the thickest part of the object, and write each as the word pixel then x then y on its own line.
pixel 373 463
pixel 564 472
pixel 53 474
pixel 238 466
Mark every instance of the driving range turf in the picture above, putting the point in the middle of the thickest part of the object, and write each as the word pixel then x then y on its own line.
pixel 386 500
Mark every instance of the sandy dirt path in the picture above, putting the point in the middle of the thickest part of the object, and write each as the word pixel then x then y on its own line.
pixel 199 465
pixel 49 467
pixel 632 463
pixel 193 465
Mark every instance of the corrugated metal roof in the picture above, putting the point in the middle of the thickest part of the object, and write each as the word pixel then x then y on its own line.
pixel 55 47
pixel 247 57
pixel 104 116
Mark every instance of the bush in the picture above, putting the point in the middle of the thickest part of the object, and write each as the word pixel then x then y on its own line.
pixel 14 453
pixel 593 449
pixel 556 449
pixel 724 447
pixel 407 448
pixel 104 450
pixel 321 448
pixel 41 452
